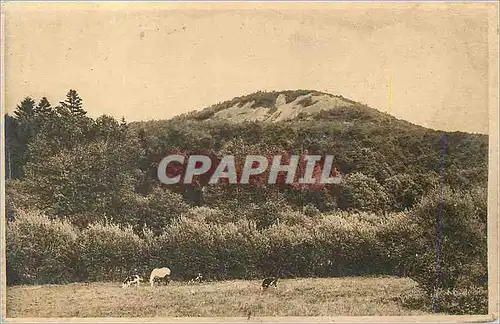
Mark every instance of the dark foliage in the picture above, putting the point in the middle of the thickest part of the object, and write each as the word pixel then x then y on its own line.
pixel 94 177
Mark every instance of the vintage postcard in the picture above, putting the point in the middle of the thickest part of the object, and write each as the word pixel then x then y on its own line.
pixel 249 161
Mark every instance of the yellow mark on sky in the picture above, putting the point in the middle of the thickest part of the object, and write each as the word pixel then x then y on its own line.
pixel 389 96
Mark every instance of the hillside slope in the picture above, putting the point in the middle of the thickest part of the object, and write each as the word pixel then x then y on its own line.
pixel 362 139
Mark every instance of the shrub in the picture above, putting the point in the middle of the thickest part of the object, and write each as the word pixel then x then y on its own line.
pixel 237 248
pixel 295 218
pixel 219 251
pixel 185 247
pixel 109 252
pixel 164 206
pixel 349 243
pixel 133 209
pixel 463 240
pixel 466 301
pixel 392 237
pixel 18 199
pixel 265 214
pixel 40 250
pixel 310 210
pixel 402 191
pixel 331 245
pixel 287 255
pixel 208 215
pixel 363 193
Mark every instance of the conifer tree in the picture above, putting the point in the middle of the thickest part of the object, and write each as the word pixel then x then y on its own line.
pixel 43 108
pixel 73 103
pixel 25 111
pixel 20 132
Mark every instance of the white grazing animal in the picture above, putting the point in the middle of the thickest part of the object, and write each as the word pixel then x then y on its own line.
pixel 160 273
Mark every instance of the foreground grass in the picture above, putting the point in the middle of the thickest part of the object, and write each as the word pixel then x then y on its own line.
pixel 359 296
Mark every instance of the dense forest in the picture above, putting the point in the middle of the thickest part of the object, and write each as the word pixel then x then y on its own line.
pixel 83 201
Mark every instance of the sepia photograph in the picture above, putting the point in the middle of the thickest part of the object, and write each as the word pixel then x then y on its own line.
pixel 187 161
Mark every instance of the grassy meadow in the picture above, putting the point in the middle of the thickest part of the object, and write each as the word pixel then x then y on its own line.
pixel 348 296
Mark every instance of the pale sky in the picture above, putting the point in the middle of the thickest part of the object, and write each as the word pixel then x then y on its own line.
pixel 145 61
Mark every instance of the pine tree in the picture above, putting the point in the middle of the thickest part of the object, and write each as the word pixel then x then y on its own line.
pixel 20 132
pixel 25 111
pixel 43 108
pixel 73 103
